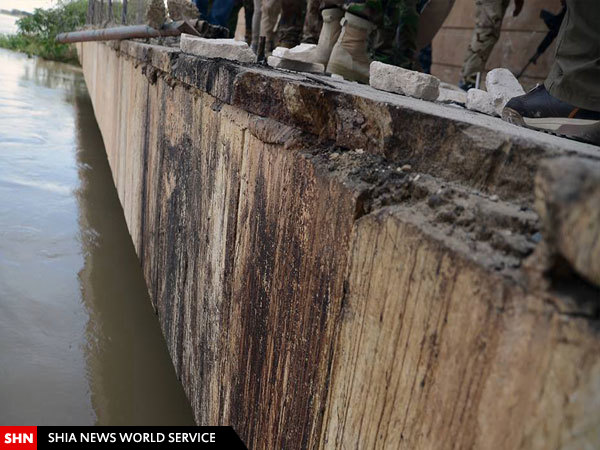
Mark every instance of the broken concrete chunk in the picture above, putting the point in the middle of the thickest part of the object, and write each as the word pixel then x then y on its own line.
pixel 401 81
pixel 502 85
pixel 567 195
pixel 480 101
pixel 298 66
pixel 452 96
pixel 217 48
pixel 283 52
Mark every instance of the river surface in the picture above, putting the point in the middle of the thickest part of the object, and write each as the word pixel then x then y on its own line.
pixel 79 340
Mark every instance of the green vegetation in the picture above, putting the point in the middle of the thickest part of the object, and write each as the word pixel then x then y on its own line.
pixel 37 32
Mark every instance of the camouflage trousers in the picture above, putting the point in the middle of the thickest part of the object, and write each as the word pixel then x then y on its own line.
pixel 397 23
pixel 488 22
pixel 290 22
pixel 312 22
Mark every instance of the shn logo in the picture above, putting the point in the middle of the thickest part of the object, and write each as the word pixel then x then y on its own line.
pixel 18 438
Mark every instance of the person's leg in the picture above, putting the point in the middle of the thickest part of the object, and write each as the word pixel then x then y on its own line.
pixel 290 23
pixel 431 20
pixel 395 41
pixel 270 13
pixel 220 12
pixel 248 13
pixel 312 22
pixel 256 15
pixel 575 74
pixel 488 22
pixel 332 13
pixel 202 6
pixel 568 103
pixel 349 57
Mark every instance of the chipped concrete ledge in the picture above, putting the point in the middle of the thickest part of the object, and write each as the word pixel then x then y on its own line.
pixel 464 146
pixel 335 266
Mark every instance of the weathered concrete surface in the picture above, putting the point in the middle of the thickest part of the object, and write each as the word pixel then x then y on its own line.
pixel 312 292
pixel 568 202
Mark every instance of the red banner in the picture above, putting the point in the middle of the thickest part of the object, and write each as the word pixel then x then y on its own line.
pixel 17 438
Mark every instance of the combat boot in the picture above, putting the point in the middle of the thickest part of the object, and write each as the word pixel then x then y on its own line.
pixel 349 56
pixel 330 32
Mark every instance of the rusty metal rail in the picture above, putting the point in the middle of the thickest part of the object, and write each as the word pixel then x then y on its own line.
pixel 128 32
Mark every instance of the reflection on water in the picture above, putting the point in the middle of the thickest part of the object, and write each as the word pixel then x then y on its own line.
pixel 79 341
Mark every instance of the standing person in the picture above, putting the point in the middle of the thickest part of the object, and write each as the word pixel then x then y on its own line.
pixel 312 22
pixel 290 23
pixel 433 13
pixel 219 13
pixel 568 102
pixel 347 25
pixel 488 22
pixel 256 18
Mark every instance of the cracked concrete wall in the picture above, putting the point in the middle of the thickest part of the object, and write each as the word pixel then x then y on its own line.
pixel 313 296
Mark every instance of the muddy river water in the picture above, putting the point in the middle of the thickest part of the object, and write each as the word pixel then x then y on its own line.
pixel 79 340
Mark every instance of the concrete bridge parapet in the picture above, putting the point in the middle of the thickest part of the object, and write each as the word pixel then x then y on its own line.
pixel 333 266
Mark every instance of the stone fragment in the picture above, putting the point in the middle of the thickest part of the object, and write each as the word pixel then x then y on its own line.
pixel 283 52
pixel 452 96
pixel 217 48
pixel 567 198
pixel 298 66
pixel 480 101
pixel 401 81
pixel 156 14
pixel 502 85
pixel 182 9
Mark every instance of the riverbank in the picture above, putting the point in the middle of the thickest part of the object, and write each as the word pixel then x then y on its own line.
pixel 35 34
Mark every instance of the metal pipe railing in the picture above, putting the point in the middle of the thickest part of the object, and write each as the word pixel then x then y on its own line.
pixel 128 32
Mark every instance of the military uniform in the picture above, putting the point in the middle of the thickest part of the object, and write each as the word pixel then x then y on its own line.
pixel 488 22
pixel 312 22
pixel 290 22
pixel 575 75
pixel 397 24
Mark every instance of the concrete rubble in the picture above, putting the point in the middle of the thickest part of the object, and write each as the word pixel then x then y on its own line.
pixel 567 196
pixel 452 96
pixel 217 48
pixel 283 52
pixel 401 81
pixel 502 85
pixel 480 101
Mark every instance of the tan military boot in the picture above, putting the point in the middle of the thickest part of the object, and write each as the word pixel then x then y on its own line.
pixel 349 56
pixel 328 37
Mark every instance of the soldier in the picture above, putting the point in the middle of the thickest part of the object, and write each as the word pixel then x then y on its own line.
pixel 312 22
pixel 290 23
pixel 342 45
pixel 488 22
pixel 568 103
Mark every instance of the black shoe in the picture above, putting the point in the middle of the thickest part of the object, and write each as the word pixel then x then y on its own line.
pixel 539 110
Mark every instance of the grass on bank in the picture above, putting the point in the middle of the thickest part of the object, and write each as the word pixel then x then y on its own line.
pixel 36 33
